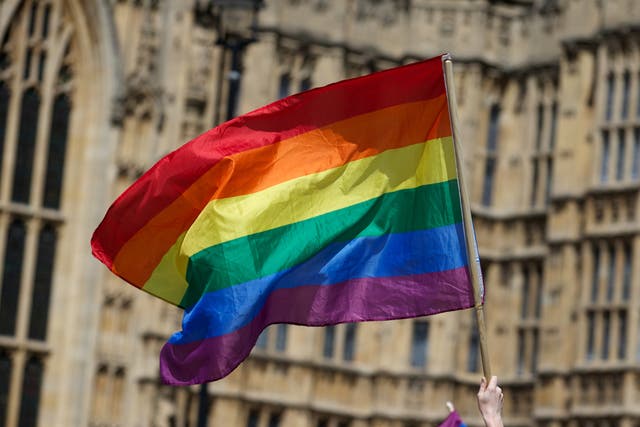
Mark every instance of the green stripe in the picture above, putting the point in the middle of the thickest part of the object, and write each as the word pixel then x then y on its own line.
pixel 257 255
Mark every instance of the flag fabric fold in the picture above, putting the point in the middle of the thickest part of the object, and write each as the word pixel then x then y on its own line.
pixel 453 420
pixel 339 204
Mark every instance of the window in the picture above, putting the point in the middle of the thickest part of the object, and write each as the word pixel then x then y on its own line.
pixel 57 151
pixel 622 334
pixel 274 419
pixel 626 278
pixel 611 274
pixel 420 343
pixel 610 90
pixel 11 277
pixel 253 418
pixel 595 278
pixel 606 324
pixel 281 337
pixel 349 348
pixel 5 96
pixel 539 126
pixel 591 324
pixel 492 146
pixel 621 155
pixel 305 84
pixel 524 303
pixel 626 82
pixel 604 165
pixel 329 341
pixel 521 352
pixel 26 146
pixel 474 346
pixel 284 86
pixel 31 383
pixel 42 283
pixel 635 161
pixel 5 379
pixel 263 340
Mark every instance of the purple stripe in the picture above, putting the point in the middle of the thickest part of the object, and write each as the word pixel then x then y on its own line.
pixel 355 300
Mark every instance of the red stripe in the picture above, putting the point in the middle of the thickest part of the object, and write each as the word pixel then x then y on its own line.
pixel 291 116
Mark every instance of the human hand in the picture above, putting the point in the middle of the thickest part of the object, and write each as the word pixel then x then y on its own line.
pixel 490 399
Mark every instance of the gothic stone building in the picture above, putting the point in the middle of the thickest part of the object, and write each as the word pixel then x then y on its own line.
pixel 92 92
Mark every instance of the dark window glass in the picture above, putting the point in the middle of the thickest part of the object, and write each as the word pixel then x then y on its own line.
pixel 494 127
pixel 41 64
pixel 526 285
pixel 26 146
pixel 552 133
pixel 549 181
pixel 42 284
pixel 45 20
pixel 604 165
pixel 621 155
pixel 322 422
pixel 611 274
pixel 626 82
pixel 534 183
pixel 27 64
pixel 487 188
pixel 5 96
pixel 5 379
pixel 521 352
pixel 305 84
pixel 329 341
pixel 635 164
pixel 610 89
pixel 349 349
pixel 284 86
pixel 474 345
pixel 595 279
pixel 539 287
pixel 57 151
pixel 263 339
pixel 534 352
pixel 622 335
pixel 253 418
pixel 274 419
pixel 235 79
pixel 591 331
pixel 344 423
pixel 31 384
pixel 419 343
pixel 606 324
pixel 281 337
pixel 13 257
pixel 540 126
pixel 626 279
pixel 32 17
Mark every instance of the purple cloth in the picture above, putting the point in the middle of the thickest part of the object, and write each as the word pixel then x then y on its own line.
pixel 453 420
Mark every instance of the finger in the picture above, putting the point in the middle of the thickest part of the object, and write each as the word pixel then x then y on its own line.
pixel 499 390
pixel 493 383
pixel 483 384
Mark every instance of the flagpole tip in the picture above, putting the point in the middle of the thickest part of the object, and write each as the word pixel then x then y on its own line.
pixel 446 57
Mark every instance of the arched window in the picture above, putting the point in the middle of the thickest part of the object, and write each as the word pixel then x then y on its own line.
pixel 37 92
pixel 11 276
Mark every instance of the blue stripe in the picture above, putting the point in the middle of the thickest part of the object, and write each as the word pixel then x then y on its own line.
pixel 425 251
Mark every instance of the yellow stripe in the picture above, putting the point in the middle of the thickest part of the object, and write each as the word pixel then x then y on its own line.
pixel 169 279
pixel 299 199
pixel 312 195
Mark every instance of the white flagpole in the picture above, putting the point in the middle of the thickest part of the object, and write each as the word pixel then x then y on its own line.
pixel 472 247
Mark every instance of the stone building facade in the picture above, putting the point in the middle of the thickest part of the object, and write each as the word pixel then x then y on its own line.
pixel 93 92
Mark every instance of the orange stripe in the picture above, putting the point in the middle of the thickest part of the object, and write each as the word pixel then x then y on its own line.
pixel 251 171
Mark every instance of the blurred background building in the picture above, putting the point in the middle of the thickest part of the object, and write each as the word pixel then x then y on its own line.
pixel 93 92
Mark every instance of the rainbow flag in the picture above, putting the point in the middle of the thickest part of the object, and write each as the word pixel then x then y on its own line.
pixel 339 204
